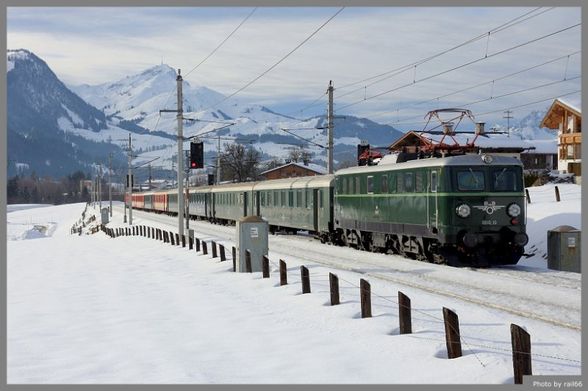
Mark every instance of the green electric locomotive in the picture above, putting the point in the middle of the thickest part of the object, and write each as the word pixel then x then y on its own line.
pixel 466 209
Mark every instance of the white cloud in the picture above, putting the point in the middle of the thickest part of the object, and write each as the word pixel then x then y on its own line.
pixel 359 43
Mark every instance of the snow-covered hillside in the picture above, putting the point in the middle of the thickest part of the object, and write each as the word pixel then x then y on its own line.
pixel 91 309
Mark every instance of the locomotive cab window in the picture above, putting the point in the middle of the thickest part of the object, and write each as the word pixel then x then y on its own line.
pixel 470 180
pixel 506 179
pixel 408 182
pixel 370 184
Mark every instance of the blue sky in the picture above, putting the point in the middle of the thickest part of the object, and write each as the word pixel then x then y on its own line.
pixel 103 44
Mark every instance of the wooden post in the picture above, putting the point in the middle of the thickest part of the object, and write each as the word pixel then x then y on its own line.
pixel 452 338
pixel 334 284
pixel 213 245
pixel 178 239
pixel 265 267
pixel 204 248
pixel 248 261
pixel 234 253
pixel 190 243
pixel 365 294
pixel 283 273
pixel 234 263
pixel 223 257
pixel 152 233
pixel 305 277
pixel 521 353
pixel 197 244
pixel 183 240
pixel 557 198
pixel 404 314
pixel 164 236
pixel 173 243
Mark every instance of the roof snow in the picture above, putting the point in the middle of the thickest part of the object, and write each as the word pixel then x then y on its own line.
pixel 572 103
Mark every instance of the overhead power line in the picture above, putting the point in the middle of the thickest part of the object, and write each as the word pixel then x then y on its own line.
pixel 459 66
pixel 277 63
pixel 510 23
pixel 472 87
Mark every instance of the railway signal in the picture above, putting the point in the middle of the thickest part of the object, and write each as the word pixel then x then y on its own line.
pixel 196 155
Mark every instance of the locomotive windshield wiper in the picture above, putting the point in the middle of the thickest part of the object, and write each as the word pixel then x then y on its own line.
pixel 475 179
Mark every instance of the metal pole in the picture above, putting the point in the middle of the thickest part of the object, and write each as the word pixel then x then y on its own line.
pixel 110 181
pixel 130 201
pixel 330 129
pixel 100 188
pixel 180 156
pixel 218 168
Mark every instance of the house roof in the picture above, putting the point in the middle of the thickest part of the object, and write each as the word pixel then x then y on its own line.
pixel 551 118
pixel 310 166
pixel 485 141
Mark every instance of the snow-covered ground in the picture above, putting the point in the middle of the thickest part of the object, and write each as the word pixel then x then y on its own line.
pixel 91 309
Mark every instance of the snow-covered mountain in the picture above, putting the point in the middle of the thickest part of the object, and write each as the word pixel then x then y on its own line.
pixel 134 103
pixel 40 107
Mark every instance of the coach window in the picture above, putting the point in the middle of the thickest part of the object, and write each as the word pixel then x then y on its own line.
pixel 320 197
pixel 283 198
pixel 370 184
pixel 263 198
pixel 433 181
pixel 400 183
pixel 384 184
pixel 357 185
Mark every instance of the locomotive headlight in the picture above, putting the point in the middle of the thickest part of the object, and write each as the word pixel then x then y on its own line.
pixel 513 210
pixel 463 210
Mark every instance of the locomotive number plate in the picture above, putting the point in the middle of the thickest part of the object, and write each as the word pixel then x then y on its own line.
pixel 489 222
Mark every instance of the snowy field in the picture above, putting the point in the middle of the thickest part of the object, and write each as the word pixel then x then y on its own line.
pixel 91 309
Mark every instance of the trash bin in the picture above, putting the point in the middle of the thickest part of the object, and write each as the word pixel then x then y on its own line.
pixel 252 235
pixel 563 249
pixel 104 215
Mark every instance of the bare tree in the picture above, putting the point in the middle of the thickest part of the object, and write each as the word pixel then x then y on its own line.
pixel 300 154
pixel 238 163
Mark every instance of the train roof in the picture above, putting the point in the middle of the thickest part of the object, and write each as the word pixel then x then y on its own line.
pixel 296 182
pixel 461 160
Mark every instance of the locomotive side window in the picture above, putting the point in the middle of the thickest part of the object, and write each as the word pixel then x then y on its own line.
pixel 392 184
pixel 384 184
pixel 408 181
pixel 434 181
pixel 470 180
pixel 357 184
pixel 419 182
pixel 400 183
pixel 370 184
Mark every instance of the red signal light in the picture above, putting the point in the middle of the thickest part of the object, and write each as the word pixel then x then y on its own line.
pixel 193 164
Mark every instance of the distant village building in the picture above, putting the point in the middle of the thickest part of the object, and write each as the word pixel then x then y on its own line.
pixel 293 169
pixel 567 119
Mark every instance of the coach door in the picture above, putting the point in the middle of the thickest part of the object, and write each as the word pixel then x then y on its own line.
pixel 433 201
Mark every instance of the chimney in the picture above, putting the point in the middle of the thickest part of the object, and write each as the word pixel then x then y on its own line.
pixel 480 127
pixel 447 127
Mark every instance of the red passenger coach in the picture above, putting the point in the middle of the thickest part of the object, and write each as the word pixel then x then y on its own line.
pixel 138 201
pixel 160 202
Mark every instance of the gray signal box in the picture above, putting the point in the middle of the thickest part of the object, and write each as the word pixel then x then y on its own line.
pixel 563 249
pixel 104 212
pixel 252 235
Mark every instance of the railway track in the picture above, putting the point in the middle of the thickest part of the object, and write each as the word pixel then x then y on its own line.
pixel 549 296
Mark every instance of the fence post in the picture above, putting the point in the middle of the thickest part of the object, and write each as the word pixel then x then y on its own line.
pixel 404 315
pixel 305 277
pixel 223 257
pixel 334 284
pixel 248 261
pixel 190 243
pixel 183 240
pixel 265 267
pixel 152 233
pixel 557 198
pixel 197 244
pixel 171 235
pixel 164 236
pixel 452 337
pixel 521 353
pixel 204 248
pixel 365 295
pixel 213 245
pixel 283 273
pixel 178 239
